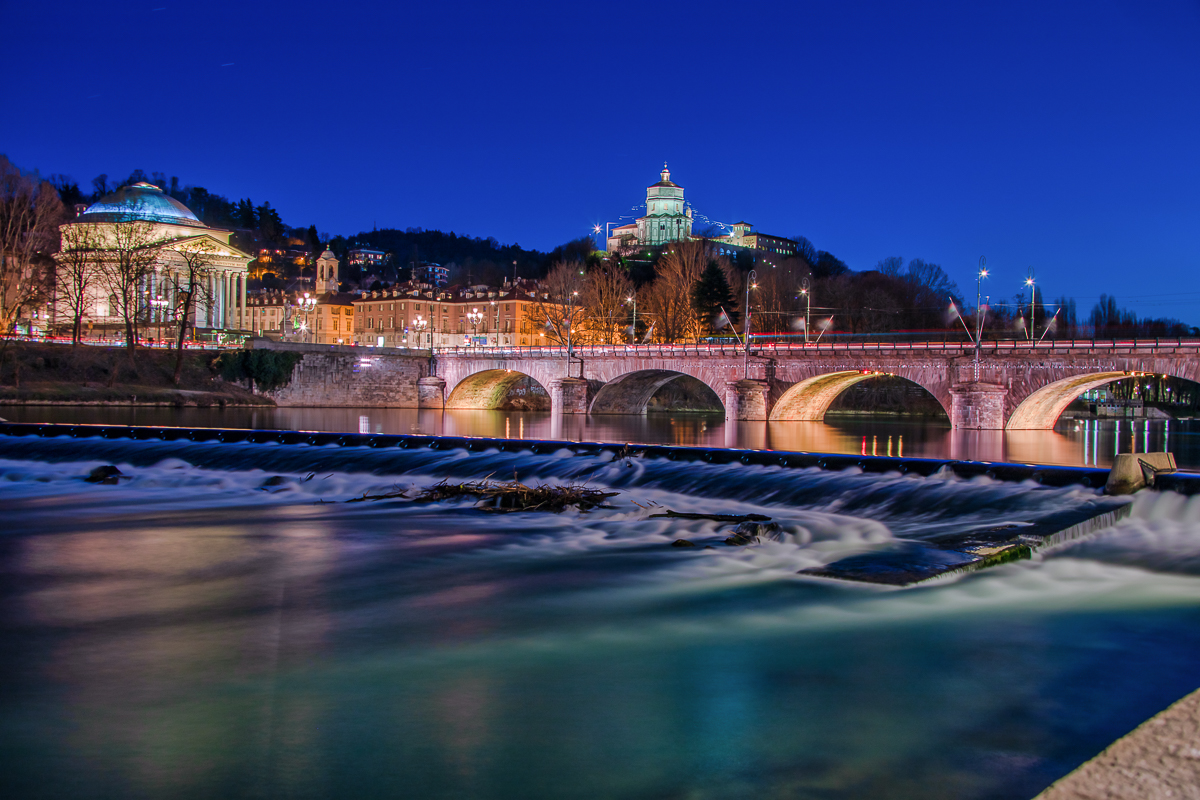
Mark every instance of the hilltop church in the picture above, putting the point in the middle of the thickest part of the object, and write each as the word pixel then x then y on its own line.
pixel 669 219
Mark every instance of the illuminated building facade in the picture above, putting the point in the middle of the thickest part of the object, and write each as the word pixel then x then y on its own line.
pixel 166 226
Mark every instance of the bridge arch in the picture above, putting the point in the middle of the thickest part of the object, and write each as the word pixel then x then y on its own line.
pixel 1042 408
pixel 630 393
pixel 489 389
pixel 810 398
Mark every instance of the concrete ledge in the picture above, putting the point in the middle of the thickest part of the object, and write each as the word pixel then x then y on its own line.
pixel 1160 759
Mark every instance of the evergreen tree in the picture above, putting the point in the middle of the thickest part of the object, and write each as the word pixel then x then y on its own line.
pixel 711 294
pixel 269 222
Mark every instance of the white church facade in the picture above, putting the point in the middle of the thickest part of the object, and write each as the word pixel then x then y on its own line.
pixel 166 226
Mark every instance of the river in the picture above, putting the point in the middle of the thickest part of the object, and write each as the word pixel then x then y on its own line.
pixel 223 623
pixel 1071 443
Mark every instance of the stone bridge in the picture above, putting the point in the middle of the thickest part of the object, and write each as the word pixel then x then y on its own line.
pixel 1010 385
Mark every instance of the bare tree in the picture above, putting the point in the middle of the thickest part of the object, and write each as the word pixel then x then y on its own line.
pixel 129 256
pixel 30 212
pixel 605 298
pixel 193 290
pixel 667 301
pixel 558 308
pixel 76 274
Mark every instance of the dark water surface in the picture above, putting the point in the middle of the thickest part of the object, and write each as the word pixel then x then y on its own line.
pixel 1072 443
pixel 191 632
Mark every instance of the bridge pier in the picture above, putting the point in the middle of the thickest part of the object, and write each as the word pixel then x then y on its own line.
pixel 977 406
pixel 568 396
pixel 431 393
pixel 746 400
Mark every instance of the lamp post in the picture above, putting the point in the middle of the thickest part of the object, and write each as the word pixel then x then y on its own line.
pixel 420 324
pixel 474 315
pixel 632 300
pixel 496 314
pixel 979 276
pixel 307 304
pixel 571 330
pixel 750 284
pixel 807 308
pixel 1032 297
pixel 159 303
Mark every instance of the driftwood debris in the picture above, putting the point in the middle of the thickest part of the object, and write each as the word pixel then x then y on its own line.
pixel 504 497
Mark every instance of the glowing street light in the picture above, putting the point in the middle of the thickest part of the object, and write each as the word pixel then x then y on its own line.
pixel 751 283
pixel 307 304
pixel 632 300
pixel 979 312
pixel 420 324
pixel 474 316
pixel 571 329
pixel 804 291
pixel 1032 297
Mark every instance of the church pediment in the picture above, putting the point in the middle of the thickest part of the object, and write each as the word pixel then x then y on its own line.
pixel 212 245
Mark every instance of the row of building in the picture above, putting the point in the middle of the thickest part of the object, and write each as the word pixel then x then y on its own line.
pixel 420 317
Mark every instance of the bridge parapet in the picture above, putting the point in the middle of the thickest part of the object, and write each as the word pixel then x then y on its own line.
pixel 1022 384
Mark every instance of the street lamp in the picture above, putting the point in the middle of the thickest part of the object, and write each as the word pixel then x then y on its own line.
pixel 496 314
pixel 979 276
pixel 307 303
pixel 751 283
pixel 807 308
pixel 570 330
pixel 1032 296
pixel 159 303
pixel 473 316
pixel 632 299
pixel 420 324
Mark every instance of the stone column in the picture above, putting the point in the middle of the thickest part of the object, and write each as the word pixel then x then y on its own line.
pixel 977 406
pixel 568 396
pixel 431 392
pixel 245 322
pixel 746 400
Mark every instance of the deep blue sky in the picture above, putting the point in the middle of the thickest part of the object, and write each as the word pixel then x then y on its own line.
pixel 1062 136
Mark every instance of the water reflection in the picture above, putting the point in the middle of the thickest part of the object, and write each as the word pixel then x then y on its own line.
pixel 1072 442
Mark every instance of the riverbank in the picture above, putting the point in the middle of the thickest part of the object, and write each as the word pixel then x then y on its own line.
pixel 1161 758
pixel 56 374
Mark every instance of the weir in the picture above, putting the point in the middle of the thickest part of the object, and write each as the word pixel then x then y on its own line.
pixel 903 562
pixel 1187 483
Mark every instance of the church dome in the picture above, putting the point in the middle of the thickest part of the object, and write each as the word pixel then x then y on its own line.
pixel 140 202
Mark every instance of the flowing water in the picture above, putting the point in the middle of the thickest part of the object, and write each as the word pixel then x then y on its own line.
pixel 1071 443
pixel 223 624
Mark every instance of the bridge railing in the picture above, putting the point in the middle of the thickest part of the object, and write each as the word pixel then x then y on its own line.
pixel 769 349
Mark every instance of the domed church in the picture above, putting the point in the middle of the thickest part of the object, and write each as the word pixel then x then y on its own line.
pixel 159 222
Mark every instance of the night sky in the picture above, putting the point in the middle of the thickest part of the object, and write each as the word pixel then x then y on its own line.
pixel 1062 136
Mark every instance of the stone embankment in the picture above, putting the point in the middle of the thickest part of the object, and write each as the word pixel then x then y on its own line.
pixel 342 376
pixel 1160 759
